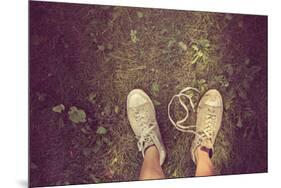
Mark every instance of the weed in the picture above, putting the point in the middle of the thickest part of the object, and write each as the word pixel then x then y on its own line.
pixel 200 51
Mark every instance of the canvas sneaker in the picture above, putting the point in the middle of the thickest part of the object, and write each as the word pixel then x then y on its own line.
pixel 142 118
pixel 209 117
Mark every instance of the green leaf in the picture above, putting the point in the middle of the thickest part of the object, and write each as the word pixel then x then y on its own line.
pixel 101 130
pixel 76 115
pixel 59 108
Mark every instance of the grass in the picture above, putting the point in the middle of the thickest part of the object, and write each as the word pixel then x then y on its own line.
pixel 108 51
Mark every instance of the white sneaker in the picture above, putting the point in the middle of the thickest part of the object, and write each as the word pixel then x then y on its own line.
pixel 209 117
pixel 142 118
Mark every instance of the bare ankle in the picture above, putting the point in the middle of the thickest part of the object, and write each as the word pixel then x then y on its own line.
pixel 203 152
pixel 151 150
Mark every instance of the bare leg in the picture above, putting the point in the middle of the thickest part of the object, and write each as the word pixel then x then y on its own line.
pixel 204 164
pixel 151 168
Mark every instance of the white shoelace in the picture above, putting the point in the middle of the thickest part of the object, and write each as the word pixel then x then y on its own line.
pixel 146 127
pixel 179 124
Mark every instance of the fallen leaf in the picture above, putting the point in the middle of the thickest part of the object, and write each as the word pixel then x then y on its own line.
pixel 101 130
pixel 85 131
pixel 107 109
pixel 101 47
pixel 94 178
pixel 194 47
pixel 76 115
pixel 97 146
pixel 242 94
pixel 92 97
pixel 41 96
pixel 139 14
pixel 116 109
pixel 87 152
pixel 156 103
pixel 230 70
pixel 182 46
pixel 240 24
pixel 171 42
pixel 163 31
pixel 228 16
pixel 239 123
pixel 106 140
pixel 59 108
pixel 33 166
pixel 247 61
pixel 109 46
pixel 205 43
pixel 133 35
pixel 61 123
pixel 227 104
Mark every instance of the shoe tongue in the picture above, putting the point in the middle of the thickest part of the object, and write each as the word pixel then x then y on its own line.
pixel 137 101
pixel 207 143
pixel 148 143
pixel 213 103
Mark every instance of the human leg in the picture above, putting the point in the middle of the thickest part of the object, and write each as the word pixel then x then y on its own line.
pixel 142 118
pixel 209 116
pixel 204 166
pixel 151 168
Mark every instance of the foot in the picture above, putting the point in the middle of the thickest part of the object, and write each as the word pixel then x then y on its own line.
pixel 209 116
pixel 142 118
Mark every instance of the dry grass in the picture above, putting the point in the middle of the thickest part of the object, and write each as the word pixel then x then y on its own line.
pixel 111 63
pixel 153 60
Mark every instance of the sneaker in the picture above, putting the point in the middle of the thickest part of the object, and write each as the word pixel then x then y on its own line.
pixel 142 118
pixel 209 117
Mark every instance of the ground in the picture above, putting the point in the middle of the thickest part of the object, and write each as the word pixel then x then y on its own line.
pixel 85 59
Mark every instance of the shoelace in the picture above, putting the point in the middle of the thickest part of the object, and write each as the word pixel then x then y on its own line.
pixel 211 117
pixel 203 133
pixel 146 128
